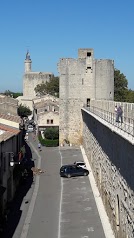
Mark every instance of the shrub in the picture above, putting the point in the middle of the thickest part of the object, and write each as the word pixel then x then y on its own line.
pixel 48 143
pixel 51 133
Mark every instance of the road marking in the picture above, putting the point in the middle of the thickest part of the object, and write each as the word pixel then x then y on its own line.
pixel 102 213
pixel 61 198
pixel 32 203
pixel 86 199
pixel 90 229
pixel 88 209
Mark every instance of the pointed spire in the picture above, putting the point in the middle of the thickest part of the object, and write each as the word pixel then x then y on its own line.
pixel 28 55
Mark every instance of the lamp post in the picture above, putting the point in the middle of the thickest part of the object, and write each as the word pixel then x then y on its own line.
pixel 12 162
pixel 11 159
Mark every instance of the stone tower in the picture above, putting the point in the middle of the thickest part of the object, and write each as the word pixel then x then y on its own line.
pixel 28 63
pixel 81 80
pixel 32 79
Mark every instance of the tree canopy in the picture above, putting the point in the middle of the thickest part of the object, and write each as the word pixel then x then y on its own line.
pixel 121 91
pixel 12 94
pixel 51 87
pixel 24 111
pixel 51 133
pixel 120 86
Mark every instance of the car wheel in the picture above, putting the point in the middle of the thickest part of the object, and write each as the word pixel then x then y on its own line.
pixel 68 175
pixel 85 174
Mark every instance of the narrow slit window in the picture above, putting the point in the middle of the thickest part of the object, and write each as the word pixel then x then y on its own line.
pixel 88 54
pixel 82 81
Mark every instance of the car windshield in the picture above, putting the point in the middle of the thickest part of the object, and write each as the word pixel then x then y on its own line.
pixel 79 163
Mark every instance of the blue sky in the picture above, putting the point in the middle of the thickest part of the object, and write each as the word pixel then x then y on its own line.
pixel 55 29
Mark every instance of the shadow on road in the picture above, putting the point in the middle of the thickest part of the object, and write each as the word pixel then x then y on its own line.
pixel 15 213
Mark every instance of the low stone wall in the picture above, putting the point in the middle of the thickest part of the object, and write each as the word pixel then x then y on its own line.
pixel 112 161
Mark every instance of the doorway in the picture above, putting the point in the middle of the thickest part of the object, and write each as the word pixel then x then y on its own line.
pixel 88 102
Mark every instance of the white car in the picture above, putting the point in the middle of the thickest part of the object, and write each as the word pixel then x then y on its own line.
pixel 30 128
pixel 80 164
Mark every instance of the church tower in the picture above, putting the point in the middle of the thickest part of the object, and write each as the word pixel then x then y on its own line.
pixel 28 63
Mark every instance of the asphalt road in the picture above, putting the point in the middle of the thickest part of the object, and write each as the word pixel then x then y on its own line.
pixel 58 207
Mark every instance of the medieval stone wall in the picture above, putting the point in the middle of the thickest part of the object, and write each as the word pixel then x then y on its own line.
pixel 104 75
pixel 112 162
pixel 31 80
pixel 81 80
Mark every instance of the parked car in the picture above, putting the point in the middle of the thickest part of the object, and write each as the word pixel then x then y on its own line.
pixel 30 128
pixel 80 164
pixel 72 171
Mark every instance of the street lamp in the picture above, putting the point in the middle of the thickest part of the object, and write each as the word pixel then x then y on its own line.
pixel 11 159
pixel 12 162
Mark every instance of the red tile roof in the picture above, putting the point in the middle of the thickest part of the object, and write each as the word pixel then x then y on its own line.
pixel 8 132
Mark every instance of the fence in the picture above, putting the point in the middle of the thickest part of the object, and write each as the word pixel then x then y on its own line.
pixel 110 117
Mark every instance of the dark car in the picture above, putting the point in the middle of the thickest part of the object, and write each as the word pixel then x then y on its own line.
pixel 72 170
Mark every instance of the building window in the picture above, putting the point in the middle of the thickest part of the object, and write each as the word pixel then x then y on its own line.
pixel 49 121
pixel 88 102
pixel 88 54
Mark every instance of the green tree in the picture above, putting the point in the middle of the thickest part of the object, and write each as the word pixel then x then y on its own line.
pixel 120 86
pixel 51 133
pixel 51 87
pixel 24 111
pixel 130 96
pixel 12 94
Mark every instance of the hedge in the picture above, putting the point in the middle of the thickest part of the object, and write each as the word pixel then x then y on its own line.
pixel 48 143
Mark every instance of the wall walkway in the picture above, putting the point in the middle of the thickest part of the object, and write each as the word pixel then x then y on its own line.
pixel 109 149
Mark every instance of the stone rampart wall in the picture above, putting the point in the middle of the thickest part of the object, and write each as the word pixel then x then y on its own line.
pixel 31 80
pixel 112 161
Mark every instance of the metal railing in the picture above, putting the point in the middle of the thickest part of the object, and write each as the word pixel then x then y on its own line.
pixel 110 117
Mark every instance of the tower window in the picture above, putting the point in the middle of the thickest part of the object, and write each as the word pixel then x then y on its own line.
pixel 88 102
pixel 82 81
pixel 88 54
